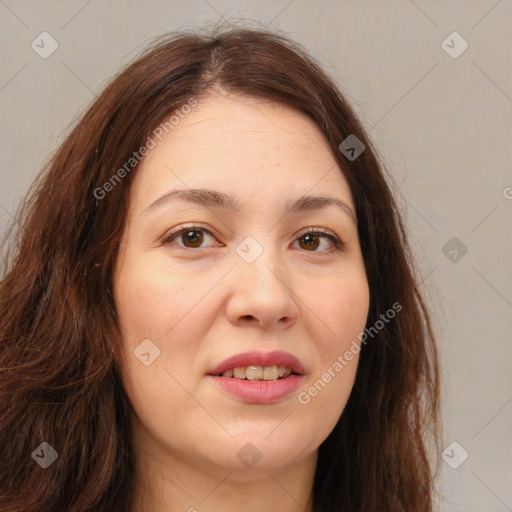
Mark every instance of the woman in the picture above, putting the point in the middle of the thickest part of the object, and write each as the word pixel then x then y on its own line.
pixel 211 302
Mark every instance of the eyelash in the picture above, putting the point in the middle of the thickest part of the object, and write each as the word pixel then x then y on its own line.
pixel 183 228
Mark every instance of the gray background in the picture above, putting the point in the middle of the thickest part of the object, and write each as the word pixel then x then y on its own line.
pixel 442 124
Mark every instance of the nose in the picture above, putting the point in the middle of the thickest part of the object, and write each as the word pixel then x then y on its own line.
pixel 262 294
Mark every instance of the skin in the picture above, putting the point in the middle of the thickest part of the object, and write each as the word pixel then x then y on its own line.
pixel 200 306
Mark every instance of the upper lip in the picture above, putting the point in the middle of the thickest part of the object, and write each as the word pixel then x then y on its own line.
pixel 276 357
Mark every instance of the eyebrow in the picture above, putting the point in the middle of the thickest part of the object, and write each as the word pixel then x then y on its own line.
pixel 215 199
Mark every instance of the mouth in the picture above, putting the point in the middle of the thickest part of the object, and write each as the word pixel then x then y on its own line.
pixel 259 377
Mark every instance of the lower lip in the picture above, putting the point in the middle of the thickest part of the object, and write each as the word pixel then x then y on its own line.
pixel 259 391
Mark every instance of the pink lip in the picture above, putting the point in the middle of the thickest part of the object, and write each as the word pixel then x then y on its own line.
pixel 259 391
pixel 277 357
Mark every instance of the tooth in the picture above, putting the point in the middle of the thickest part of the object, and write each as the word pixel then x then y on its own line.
pixel 239 372
pixel 254 372
pixel 270 372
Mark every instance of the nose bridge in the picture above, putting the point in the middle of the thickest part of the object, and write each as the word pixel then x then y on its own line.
pixel 261 286
pixel 259 266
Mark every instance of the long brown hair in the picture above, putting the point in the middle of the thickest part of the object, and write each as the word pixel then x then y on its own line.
pixel 59 381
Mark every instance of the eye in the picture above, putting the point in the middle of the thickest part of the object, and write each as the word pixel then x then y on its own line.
pixel 191 237
pixel 311 240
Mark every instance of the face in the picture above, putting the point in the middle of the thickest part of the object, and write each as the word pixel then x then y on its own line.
pixel 246 268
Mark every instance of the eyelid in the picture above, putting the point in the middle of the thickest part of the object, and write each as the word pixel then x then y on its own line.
pixel 312 229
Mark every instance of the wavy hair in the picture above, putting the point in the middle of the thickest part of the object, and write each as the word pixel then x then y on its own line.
pixel 59 380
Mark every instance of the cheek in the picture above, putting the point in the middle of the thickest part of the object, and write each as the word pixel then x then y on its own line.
pixel 153 305
pixel 342 306
pixel 343 310
pixel 164 306
pixel 150 301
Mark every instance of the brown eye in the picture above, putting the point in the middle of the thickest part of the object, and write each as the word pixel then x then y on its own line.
pixel 189 238
pixel 193 237
pixel 310 241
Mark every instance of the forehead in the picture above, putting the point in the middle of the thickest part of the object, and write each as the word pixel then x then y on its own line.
pixel 245 146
